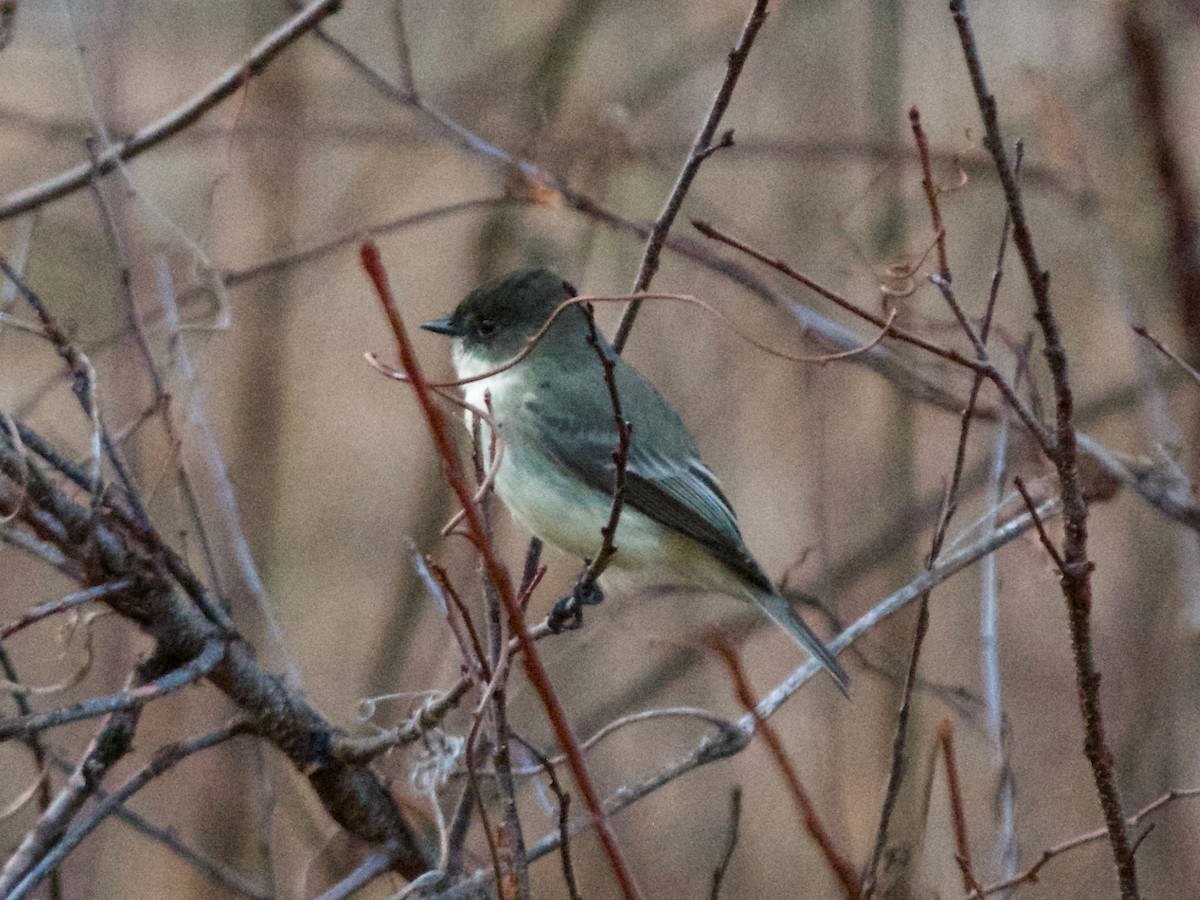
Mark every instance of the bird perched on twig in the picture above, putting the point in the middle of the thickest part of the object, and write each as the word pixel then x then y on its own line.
pixel 554 413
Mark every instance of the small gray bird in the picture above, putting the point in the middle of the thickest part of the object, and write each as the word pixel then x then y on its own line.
pixel 554 414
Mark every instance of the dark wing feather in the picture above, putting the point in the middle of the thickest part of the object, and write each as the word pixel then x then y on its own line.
pixel 678 493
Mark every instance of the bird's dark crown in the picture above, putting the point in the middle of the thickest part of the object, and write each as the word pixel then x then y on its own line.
pixel 513 305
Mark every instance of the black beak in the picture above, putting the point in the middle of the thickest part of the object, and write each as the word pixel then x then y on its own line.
pixel 446 326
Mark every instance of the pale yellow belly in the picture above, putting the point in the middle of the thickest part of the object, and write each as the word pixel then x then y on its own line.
pixel 568 515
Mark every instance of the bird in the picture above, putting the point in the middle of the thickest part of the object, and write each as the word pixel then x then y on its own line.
pixel 553 412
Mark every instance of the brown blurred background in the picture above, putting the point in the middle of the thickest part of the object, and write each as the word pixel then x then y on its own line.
pixel 334 474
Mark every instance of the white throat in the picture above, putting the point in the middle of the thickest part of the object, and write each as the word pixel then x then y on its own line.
pixel 498 386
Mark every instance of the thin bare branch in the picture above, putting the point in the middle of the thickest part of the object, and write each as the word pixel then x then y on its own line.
pixel 731 839
pixel 1030 875
pixel 163 760
pixel 1077 573
pixel 232 80
pixel 1166 351
pixel 702 148
pixel 958 812
pixel 94 707
pixel 63 604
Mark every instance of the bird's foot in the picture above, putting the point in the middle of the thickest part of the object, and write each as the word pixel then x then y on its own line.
pixel 567 614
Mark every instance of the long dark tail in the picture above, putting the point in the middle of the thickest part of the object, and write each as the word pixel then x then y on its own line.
pixel 781 612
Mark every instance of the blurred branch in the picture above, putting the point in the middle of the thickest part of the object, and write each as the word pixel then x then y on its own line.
pixel 731 839
pixel 376 864
pixel 218 873
pixel 1166 351
pixel 107 747
pixel 233 278
pixel 178 119
pixel 203 442
pixel 399 137
pixel 702 148
pixel 114 544
pixel 1145 55
pixel 1076 580
pixel 42 787
pixel 162 761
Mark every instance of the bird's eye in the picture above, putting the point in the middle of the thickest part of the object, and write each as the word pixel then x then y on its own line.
pixel 485 327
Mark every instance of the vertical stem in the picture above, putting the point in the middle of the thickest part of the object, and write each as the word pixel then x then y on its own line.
pixel 1077 568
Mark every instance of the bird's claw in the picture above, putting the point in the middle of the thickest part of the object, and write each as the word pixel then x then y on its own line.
pixel 567 613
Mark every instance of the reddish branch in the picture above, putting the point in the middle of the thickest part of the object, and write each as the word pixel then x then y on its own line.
pixel 958 814
pixel 981 366
pixel 931 190
pixel 1077 568
pixel 496 573
pixel 838 864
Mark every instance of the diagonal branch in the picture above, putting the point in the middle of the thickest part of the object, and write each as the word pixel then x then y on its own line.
pixel 497 574
pixel 702 148
pixel 232 80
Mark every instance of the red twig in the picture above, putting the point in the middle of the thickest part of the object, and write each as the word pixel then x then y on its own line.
pixel 496 573
pixel 894 331
pixel 931 190
pixel 962 847
pixel 841 868
pixel 981 366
